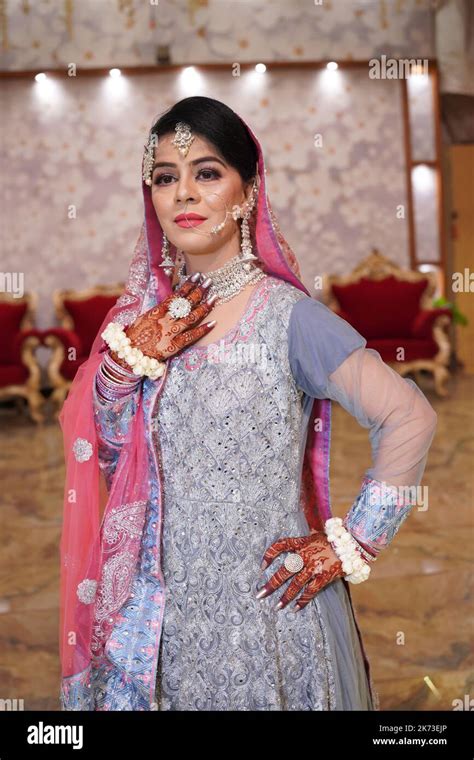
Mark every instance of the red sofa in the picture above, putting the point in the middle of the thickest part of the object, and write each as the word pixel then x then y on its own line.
pixel 80 314
pixel 390 307
pixel 20 373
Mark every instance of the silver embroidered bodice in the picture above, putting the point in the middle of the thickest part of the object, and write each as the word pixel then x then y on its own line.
pixel 231 441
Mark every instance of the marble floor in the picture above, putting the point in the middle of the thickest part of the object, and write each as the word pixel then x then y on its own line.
pixel 415 612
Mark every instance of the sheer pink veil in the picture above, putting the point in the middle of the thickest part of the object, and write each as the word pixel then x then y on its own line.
pixel 96 574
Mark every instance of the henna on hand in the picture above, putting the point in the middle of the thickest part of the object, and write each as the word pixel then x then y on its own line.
pixel 321 567
pixel 157 334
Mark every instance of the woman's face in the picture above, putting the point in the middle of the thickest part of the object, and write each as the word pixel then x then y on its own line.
pixel 202 183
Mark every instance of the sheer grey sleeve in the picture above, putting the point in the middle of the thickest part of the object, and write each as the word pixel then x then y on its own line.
pixel 400 420
pixel 402 424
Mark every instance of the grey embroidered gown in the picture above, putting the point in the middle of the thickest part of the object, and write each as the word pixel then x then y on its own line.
pixel 232 433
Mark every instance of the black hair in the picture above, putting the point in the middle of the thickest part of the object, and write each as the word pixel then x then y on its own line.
pixel 218 124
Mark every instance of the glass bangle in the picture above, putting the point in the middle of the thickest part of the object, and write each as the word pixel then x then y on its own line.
pixel 117 368
pixel 117 381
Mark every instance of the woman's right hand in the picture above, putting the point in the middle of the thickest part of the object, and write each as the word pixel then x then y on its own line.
pixel 157 334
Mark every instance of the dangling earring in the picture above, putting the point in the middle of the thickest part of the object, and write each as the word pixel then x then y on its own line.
pixel 180 263
pixel 167 263
pixel 247 255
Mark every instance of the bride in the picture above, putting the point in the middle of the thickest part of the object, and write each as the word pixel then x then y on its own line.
pixel 201 565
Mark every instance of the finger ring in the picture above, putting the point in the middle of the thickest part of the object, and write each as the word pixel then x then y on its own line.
pixel 179 307
pixel 294 562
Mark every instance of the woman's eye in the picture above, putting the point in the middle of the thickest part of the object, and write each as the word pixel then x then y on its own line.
pixel 212 172
pixel 159 179
pixel 205 174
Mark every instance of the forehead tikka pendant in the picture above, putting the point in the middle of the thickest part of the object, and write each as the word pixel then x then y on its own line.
pixel 183 138
pixel 182 141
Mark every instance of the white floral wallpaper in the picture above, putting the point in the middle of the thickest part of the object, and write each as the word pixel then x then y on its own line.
pixel 79 143
pixel 333 141
pixel 94 33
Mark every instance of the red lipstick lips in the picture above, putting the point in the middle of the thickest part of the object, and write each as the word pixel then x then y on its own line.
pixel 189 220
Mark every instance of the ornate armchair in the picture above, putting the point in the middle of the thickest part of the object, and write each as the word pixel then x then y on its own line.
pixel 391 308
pixel 80 314
pixel 20 372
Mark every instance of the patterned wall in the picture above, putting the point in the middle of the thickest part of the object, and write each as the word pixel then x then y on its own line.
pixel 96 33
pixel 80 142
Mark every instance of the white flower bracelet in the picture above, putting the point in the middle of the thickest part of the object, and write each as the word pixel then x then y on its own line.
pixel 356 568
pixel 115 337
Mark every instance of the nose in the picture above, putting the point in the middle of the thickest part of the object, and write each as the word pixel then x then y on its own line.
pixel 186 190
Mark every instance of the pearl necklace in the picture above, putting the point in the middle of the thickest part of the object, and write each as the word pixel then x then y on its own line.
pixel 229 279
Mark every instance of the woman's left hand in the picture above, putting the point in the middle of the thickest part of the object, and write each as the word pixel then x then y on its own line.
pixel 321 566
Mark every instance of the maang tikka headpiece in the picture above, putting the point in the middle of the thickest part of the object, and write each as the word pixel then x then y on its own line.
pixel 182 142
pixel 183 138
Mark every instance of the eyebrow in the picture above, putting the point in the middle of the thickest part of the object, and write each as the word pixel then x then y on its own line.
pixel 193 163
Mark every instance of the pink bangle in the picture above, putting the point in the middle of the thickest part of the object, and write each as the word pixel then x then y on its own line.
pixel 117 369
pixel 109 394
pixel 113 389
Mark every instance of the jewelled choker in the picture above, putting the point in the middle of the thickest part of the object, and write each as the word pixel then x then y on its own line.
pixel 229 279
